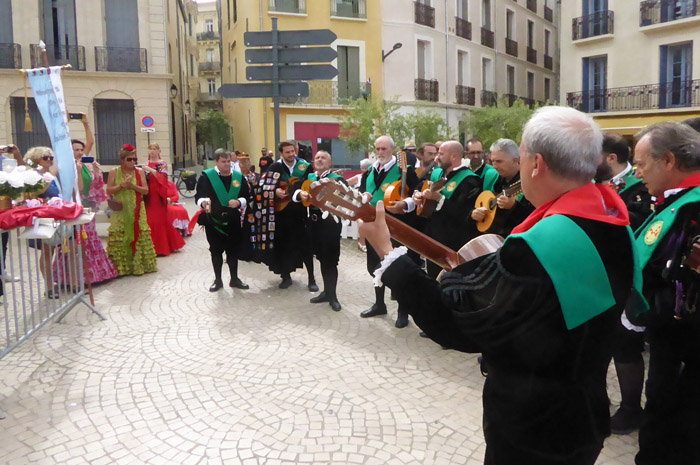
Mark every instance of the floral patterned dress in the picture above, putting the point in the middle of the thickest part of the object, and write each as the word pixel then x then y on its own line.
pixel 130 248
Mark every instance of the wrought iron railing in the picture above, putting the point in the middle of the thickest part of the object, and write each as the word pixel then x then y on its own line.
pixel 424 14
pixel 487 37
pixel 288 6
pixel 10 56
pixel 349 8
pixel 489 98
pixel 532 5
pixel 593 25
pixel 510 99
pixel 215 97
pixel 548 14
pixel 209 66
pixel 662 11
pixel 677 94
pixel 511 47
pixel 208 35
pixel 465 95
pixel 59 55
pixel 331 93
pixel 121 59
pixel 532 55
pixel 463 28
pixel 530 102
pixel 548 62
pixel 427 89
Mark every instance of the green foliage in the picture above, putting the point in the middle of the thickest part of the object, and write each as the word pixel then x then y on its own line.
pixel 492 123
pixel 429 126
pixel 213 129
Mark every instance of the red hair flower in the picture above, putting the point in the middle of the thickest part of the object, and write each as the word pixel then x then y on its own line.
pixel 129 147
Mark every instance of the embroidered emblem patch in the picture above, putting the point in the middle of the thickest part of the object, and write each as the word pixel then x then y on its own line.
pixel 451 186
pixel 235 183
pixel 384 187
pixel 652 234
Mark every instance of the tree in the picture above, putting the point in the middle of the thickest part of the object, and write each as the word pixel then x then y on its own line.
pixel 501 121
pixel 213 129
pixel 428 126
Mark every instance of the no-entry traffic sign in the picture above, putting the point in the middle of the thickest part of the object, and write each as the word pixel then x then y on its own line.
pixel 147 121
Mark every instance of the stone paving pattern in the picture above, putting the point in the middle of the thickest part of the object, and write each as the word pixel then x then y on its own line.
pixel 179 375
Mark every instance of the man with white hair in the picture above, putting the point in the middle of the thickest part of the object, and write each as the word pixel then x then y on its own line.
pixel 374 183
pixel 513 207
pixel 546 335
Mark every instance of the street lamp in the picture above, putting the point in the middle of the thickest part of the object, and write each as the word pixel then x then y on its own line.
pixel 173 91
pixel 396 46
pixel 187 106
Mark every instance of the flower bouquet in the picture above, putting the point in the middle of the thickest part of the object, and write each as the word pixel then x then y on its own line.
pixel 35 183
pixel 11 187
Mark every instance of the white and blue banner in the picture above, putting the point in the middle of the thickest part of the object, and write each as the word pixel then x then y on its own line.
pixel 48 95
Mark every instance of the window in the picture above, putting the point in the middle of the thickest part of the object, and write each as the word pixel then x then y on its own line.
pixel 531 85
pixel 487 74
pixel 235 11
pixel 423 56
pixel 170 59
pixel 348 72
pixel 212 86
pixel 462 68
pixel 547 89
pixel 210 55
pixel 114 127
pixel 39 136
pixel 547 37
pixel 486 14
pixel 191 65
pixel 209 25
pixel 189 23
pixel 235 70
pixel 510 79
pixel 228 13
pixel 510 25
pixel 530 34
pixel 676 69
pixel 595 83
pixel 463 9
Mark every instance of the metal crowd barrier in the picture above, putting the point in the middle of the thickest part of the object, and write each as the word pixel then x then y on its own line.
pixel 31 299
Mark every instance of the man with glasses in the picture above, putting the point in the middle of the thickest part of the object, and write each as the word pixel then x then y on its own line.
pixel 477 163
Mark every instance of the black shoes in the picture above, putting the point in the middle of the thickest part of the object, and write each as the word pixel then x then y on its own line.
pixel 312 286
pixel 402 320
pixel 335 305
pixel 626 420
pixel 322 297
pixel 374 310
pixel 238 284
pixel 286 282
pixel 216 286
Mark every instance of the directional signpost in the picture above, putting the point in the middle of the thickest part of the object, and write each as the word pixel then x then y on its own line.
pixel 283 72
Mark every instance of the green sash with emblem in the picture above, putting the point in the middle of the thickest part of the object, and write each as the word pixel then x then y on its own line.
pixel 377 192
pixel 588 293
pixel 651 233
pixel 452 184
pixel 221 193
pixel 299 169
pixel 436 175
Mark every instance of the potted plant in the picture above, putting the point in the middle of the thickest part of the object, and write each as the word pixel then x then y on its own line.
pixel 11 187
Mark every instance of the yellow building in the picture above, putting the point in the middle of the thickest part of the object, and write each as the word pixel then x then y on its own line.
pixel 129 59
pixel 209 67
pixel 631 63
pixel 313 120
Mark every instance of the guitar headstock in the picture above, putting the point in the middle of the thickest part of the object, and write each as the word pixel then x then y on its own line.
pixel 340 200
pixel 401 159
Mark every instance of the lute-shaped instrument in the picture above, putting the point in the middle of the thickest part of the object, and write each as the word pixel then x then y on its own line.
pixel 426 209
pixel 397 191
pixel 488 200
pixel 347 203
pixel 288 186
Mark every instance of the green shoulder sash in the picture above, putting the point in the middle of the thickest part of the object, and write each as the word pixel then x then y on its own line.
pixel 377 192
pixel 221 193
pixel 584 294
pixel 451 186
pixel 314 177
pixel 651 233
pixel 630 180
pixel 299 169
pixel 489 176
pixel 436 175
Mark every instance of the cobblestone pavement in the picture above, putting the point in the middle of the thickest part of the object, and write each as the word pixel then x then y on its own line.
pixel 178 375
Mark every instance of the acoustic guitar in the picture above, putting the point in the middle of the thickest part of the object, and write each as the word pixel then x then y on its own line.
pixel 288 186
pixel 427 208
pixel 488 200
pixel 350 204
pixel 397 191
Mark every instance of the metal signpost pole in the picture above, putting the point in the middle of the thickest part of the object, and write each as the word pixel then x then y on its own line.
pixel 276 81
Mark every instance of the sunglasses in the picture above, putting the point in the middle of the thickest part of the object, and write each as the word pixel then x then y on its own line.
pixel 134 159
pixel 47 157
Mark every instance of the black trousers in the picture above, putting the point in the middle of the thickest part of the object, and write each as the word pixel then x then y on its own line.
pixel 220 243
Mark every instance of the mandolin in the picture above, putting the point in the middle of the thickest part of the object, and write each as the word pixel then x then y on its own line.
pixel 347 203
pixel 487 199
pixel 397 191
pixel 426 209
pixel 288 186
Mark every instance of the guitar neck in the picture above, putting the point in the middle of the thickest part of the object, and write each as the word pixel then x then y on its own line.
pixel 513 190
pixel 424 245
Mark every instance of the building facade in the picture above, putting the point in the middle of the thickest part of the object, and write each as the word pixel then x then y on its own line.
pixel 209 66
pixel 631 63
pixel 130 59
pixel 311 120
pixel 451 56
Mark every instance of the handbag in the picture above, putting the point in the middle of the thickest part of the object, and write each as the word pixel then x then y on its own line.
pixel 115 205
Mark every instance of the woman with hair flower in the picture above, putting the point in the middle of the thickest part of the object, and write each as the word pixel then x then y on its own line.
pixel 129 246
pixel 165 237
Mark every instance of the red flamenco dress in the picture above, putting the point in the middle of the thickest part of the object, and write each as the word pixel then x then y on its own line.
pixel 165 237
pixel 177 213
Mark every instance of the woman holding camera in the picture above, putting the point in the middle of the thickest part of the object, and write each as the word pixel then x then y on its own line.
pixel 129 246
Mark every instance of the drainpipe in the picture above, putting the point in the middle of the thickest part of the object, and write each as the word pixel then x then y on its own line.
pixel 447 71
pixel 274 150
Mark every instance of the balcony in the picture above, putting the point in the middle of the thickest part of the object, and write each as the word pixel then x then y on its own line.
pixel 349 8
pixel 487 37
pixel 208 98
pixel 679 94
pixel 530 102
pixel 532 55
pixel 548 14
pixel 58 55
pixel 489 98
pixel 424 14
pixel 210 67
pixel 532 5
pixel 597 24
pixel 427 89
pixel 548 62
pixel 330 93
pixel 121 59
pixel 511 47
pixel 662 11
pixel 208 35
pixel 287 6
pixel 463 28
pixel 465 95
pixel 510 99
pixel 10 56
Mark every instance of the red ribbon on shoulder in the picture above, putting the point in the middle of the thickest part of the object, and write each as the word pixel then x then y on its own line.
pixel 593 202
